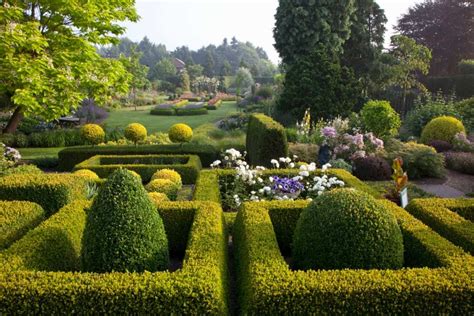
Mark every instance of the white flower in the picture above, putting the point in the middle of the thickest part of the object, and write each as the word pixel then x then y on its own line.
pixel 312 167
pixel 303 167
pixel 304 173
pixel 292 165
pixel 326 167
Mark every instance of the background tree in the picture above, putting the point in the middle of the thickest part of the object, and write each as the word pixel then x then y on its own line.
pixel 362 51
pixel 48 63
pixel 209 65
pixel 194 71
pixel 138 74
pixel 243 80
pixel 302 25
pixel 185 81
pixel 318 82
pixel 444 26
pixel 164 69
pixel 409 60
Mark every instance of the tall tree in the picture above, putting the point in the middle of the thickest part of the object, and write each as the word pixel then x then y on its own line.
pixel 243 81
pixel 48 63
pixel 410 59
pixel 209 64
pixel 185 81
pixel 444 26
pixel 137 71
pixel 164 69
pixel 363 49
pixel 302 25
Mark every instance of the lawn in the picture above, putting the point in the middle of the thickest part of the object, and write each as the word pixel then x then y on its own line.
pixel 38 153
pixel 153 123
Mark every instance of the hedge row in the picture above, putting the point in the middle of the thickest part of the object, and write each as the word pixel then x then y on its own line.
pixel 267 286
pixel 214 106
pixel 69 157
pixel 179 111
pixel 55 245
pixel 188 166
pixel 50 191
pixel 451 218
pixel 200 287
pixel 266 140
pixel 17 218
pixel 207 186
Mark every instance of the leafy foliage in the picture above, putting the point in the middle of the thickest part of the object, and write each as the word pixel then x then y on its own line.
pixel 165 186
pixel 93 134
pixel 135 132
pixel 442 128
pixel 380 118
pixel 180 133
pixel 123 230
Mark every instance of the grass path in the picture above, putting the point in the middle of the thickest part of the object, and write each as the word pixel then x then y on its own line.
pixel 35 153
pixel 153 123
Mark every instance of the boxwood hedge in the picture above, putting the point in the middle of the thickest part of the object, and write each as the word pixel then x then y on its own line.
pixel 451 218
pixel 437 280
pixel 188 166
pixel 16 218
pixel 71 156
pixel 50 191
pixel 199 287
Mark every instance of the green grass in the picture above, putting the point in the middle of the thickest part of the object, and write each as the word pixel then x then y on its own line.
pixel 123 117
pixel 38 153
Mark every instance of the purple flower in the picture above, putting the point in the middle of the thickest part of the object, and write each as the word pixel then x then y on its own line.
pixel 329 132
pixel 286 185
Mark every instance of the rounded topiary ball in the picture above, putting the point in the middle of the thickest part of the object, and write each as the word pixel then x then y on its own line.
pixel 93 134
pixel 346 228
pixel 135 132
pixel 168 174
pixel 157 198
pixel 442 128
pixel 136 174
pixel 165 186
pixel 86 173
pixel 124 232
pixel 380 118
pixel 180 133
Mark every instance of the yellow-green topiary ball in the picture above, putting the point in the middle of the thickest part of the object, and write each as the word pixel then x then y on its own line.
pixel 442 128
pixel 86 173
pixel 165 186
pixel 93 134
pixel 135 132
pixel 157 198
pixel 180 133
pixel 168 174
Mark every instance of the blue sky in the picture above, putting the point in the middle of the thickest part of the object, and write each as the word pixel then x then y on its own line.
pixel 197 23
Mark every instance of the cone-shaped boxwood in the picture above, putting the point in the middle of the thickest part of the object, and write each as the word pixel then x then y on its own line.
pixel 346 228
pixel 124 232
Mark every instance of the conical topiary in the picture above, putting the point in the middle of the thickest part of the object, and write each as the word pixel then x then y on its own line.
pixel 124 232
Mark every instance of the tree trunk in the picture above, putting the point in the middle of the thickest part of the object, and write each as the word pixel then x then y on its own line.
pixel 14 121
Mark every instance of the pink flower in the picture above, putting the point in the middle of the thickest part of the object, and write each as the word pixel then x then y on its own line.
pixel 329 132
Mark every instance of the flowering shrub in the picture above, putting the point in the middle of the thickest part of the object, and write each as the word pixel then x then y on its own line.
pixel 462 143
pixel 350 147
pixel 260 184
pixel 11 154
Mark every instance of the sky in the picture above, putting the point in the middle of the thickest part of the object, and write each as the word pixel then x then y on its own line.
pixel 198 23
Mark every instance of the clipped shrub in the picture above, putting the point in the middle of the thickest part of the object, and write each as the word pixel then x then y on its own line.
pixel 266 140
pixel 135 132
pixel 165 186
pixel 380 118
pixel 139 177
pixel 346 228
pixel 180 133
pixel 440 146
pixel 17 218
pixel 157 198
pixel 372 169
pixel 167 174
pixel 21 169
pixel 123 230
pixel 341 164
pixel 419 160
pixel 442 128
pixel 460 161
pixel 304 152
pixel 85 173
pixel 92 133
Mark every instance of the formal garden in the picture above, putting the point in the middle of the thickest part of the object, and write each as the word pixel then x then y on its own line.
pixel 334 184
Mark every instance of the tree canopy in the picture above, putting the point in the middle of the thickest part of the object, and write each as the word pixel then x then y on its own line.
pixel 48 63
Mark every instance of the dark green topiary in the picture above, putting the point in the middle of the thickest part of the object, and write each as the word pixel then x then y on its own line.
pixel 124 232
pixel 346 228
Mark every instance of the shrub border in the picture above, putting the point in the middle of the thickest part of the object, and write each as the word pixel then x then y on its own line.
pixel 445 216
pixel 200 287
pixel 268 287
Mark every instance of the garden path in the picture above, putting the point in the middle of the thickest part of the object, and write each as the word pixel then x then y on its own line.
pixel 454 185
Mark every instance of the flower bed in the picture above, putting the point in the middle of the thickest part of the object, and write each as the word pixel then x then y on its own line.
pixel 437 278
pixel 188 166
pixel 32 284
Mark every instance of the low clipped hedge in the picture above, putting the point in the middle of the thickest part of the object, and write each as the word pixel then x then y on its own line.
pixel 188 166
pixel 207 184
pixel 71 156
pixel 17 218
pixel 214 106
pixel 266 140
pixel 451 218
pixel 437 278
pixel 163 112
pixel 189 112
pixel 198 288
pixel 50 191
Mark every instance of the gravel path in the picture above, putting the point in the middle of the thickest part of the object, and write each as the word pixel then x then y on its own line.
pixel 455 185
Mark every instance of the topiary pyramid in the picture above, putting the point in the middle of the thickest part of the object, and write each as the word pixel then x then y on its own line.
pixel 124 231
pixel 349 229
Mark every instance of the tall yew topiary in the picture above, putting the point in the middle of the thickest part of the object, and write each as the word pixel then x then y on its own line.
pixel 124 232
